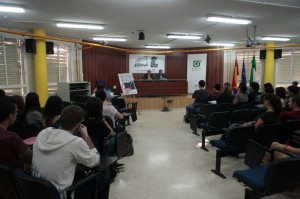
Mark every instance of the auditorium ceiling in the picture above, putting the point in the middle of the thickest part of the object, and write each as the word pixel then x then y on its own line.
pixel 157 18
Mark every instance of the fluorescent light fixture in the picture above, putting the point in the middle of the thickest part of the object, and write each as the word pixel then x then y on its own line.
pixel 157 46
pixel 275 39
pixel 79 25
pixel 14 9
pixel 171 36
pixel 109 39
pixel 232 20
pixel 221 44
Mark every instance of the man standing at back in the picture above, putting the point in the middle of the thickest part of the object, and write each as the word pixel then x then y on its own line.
pixel 200 96
pixel 56 152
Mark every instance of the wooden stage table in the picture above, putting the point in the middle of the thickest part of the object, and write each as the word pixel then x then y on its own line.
pixel 169 87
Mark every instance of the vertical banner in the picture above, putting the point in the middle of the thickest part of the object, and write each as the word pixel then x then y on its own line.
pixel 140 63
pixel 196 70
pixel 127 84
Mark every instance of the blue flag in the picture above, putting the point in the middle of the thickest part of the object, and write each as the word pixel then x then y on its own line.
pixel 244 80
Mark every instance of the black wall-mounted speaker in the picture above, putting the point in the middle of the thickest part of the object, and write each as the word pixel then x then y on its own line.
pixel 30 45
pixel 278 54
pixel 141 36
pixel 262 54
pixel 49 47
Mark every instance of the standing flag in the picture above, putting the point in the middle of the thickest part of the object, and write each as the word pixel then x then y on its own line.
pixel 244 80
pixel 253 69
pixel 235 74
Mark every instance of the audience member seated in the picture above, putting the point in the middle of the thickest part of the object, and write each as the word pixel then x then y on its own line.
pixel 280 92
pixel 52 110
pixel 56 152
pixel 295 83
pixel 271 116
pixel 268 88
pixel 226 96
pixel 215 93
pixel 13 151
pixel 294 105
pixel 103 87
pixel 254 97
pixel 200 96
pixel 291 91
pixel 17 126
pixel 31 117
pixel 241 95
pixel 277 155
pixel 2 93
pixel 19 102
pixel 148 75
pixel 97 127
pixel 160 75
pixel 108 109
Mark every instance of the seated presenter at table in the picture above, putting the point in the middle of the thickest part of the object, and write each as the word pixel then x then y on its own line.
pixel 160 75
pixel 148 75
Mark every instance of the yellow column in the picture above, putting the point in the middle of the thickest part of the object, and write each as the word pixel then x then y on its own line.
pixel 269 64
pixel 41 80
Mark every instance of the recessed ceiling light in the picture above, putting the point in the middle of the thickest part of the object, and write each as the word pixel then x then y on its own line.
pixel 179 36
pixel 225 19
pixel 157 47
pixel 275 39
pixel 14 9
pixel 221 44
pixel 79 25
pixel 109 39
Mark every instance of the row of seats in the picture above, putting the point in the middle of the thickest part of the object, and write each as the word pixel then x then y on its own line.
pixel 281 175
pixel 234 141
pixel 235 115
pixel 213 123
pixel 15 184
pixel 263 180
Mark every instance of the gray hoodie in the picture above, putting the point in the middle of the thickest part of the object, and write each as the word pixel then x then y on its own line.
pixel 55 155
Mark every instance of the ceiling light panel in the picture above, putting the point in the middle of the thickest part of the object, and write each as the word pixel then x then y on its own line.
pixel 13 9
pixel 225 19
pixel 171 36
pixel 157 47
pixel 275 39
pixel 221 44
pixel 109 39
pixel 79 25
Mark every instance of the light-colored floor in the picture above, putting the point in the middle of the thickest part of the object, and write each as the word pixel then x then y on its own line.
pixel 168 165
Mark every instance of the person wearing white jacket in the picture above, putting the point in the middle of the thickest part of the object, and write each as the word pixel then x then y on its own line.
pixel 57 151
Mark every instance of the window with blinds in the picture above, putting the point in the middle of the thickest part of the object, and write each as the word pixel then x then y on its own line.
pixel 288 68
pixel 58 66
pixel 12 76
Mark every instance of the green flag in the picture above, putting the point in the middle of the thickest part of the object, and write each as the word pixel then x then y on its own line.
pixel 253 69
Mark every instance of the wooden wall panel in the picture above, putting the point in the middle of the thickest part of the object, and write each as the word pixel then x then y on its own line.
pixel 105 64
pixel 214 69
pixel 176 65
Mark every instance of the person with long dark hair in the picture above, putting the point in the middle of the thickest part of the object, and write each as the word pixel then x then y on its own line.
pixel 97 127
pixel 280 92
pixel 32 118
pixel 268 88
pixel 226 96
pixel 52 110
pixel 271 116
pixel 241 95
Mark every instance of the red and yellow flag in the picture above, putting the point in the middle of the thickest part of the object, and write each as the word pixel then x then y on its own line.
pixel 235 74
